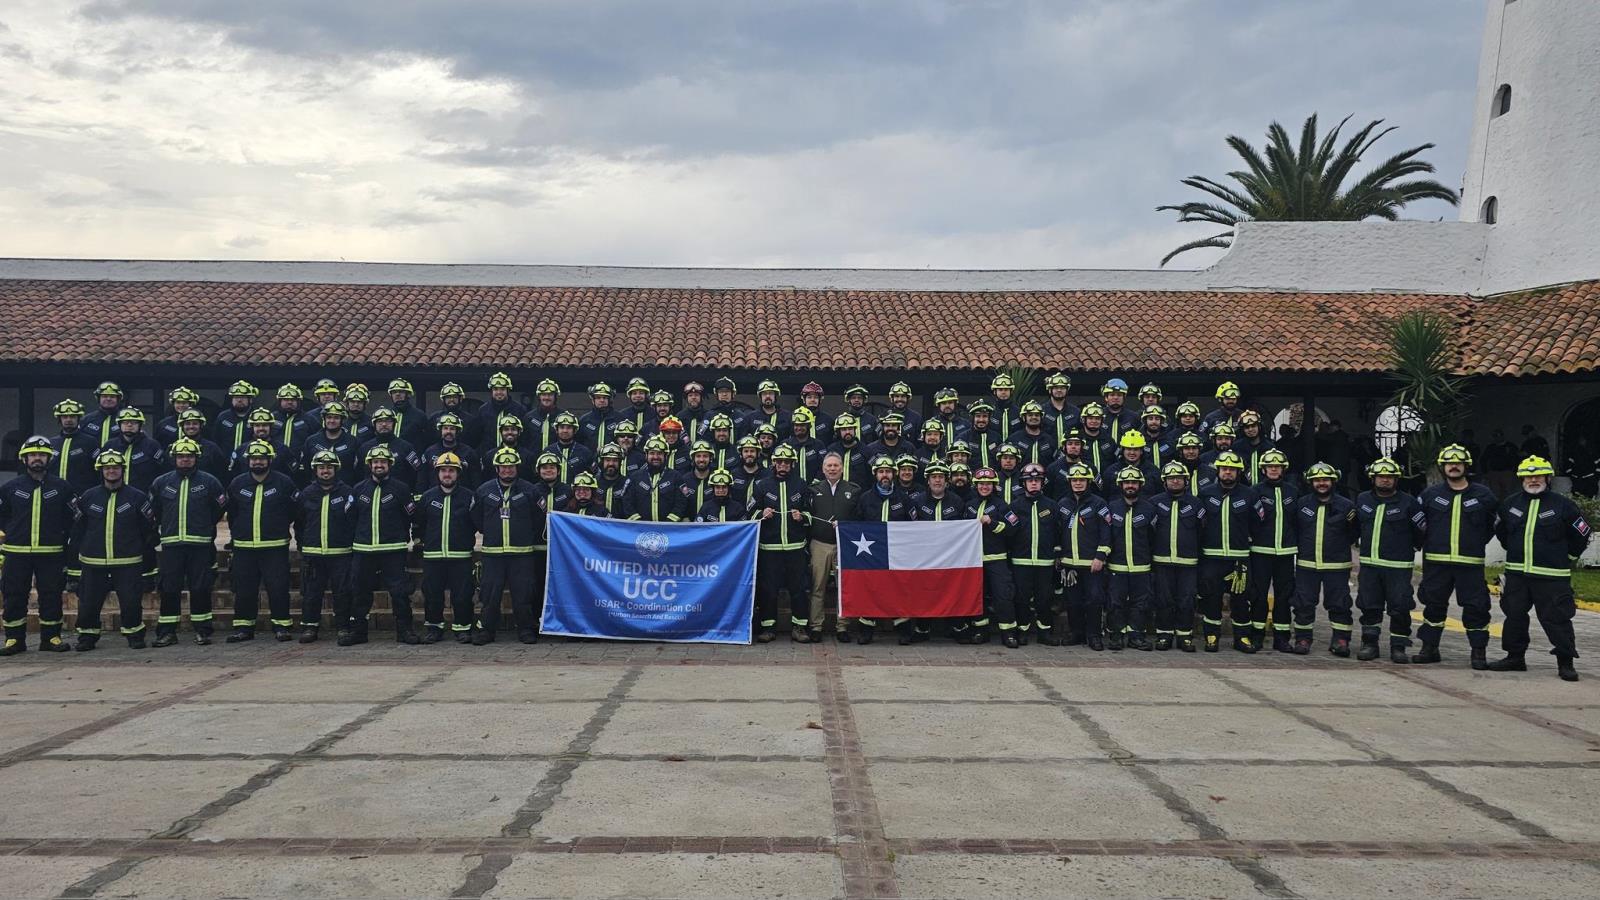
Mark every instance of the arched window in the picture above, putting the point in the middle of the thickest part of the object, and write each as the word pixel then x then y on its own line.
pixel 1490 211
pixel 1502 102
pixel 1392 426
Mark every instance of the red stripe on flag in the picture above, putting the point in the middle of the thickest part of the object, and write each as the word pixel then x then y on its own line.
pixel 911 593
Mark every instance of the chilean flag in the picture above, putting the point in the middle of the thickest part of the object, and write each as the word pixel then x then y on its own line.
pixel 911 569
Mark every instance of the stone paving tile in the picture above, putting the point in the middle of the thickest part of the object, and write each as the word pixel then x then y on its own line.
pixel 1340 879
pixel 1087 877
pixel 131 682
pixel 1585 717
pixel 1561 801
pixel 1122 684
pixel 1011 800
pixel 927 683
pixel 359 799
pixel 1538 687
pixel 246 728
pixel 1464 733
pixel 969 731
pixel 1217 733
pixel 23 724
pixel 328 684
pixel 30 877
pixel 388 875
pixel 691 798
pixel 718 729
pixel 467 727
pixel 731 875
pixel 726 683
pixel 58 799
pixel 1367 685
pixel 1327 803
pixel 521 683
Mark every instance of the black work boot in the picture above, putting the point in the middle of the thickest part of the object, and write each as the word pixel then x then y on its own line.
pixel 464 636
pixel 1429 653
pixel 86 642
pixel 843 636
pixel 1047 637
pixel 136 641
pixel 1565 669
pixel 1398 655
pixel 282 633
pixel 52 643
pixel 1114 640
pixel 1009 639
pixel 1244 643
pixel 202 636
pixel 1137 641
pixel 432 634
pixel 800 634
pixel 1480 659
pixel 14 645
pixel 239 635
pixel 165 638
pixel 1163 642
pixel 1511 662
pixel 1186 644
pixel 308 634
pixel 1281 642
pixel 526 636
pixel 1369 649
pixel 1340 647
pixel 1213 643
pixel 1095 639
pixel 1302 647
pixel 481 636
pixel 980 635
pixel 864 633
pixel 404 635
pixel 905 634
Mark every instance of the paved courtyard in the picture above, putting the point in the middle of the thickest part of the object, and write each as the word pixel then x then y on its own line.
pixel 589 769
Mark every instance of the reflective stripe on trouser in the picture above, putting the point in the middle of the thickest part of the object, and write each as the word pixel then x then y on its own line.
pixel 441 576
pixel 192 568
pixel 1125 592
pixel 1085 602
pixel 824 593
pixel 1385 590
pixel 1211 584
pixel 253 569
pixel 1034 597
pixel 388 570
pixel 502 572
pixel 779 571
pixel 1175 589
pixel 97 583
pixel 22 573
pixel 1274 573
pixel 1439 581
pixel 1333 586
pixel 320 575
pixel 1551 599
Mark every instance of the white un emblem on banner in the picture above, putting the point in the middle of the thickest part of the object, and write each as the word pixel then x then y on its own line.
pixel 651 544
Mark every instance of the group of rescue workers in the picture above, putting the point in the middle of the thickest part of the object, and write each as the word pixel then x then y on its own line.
pixel 1111 524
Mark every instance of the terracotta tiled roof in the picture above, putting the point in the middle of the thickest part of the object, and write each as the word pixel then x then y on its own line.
pixel 429 326
pixel 1549 331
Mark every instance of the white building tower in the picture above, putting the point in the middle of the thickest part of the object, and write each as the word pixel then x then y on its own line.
pixel 1534 167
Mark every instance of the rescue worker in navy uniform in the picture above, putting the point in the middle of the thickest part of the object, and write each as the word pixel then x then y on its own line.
pixel 187 504
pixel 444 528
pixel 655 492
pixel 767 411
pixel 935 503
pixel 998 590
pixel 1119 417
pixel 1180 520
pixel 142 457
pixel 821 423
pixel 694 414
pixel 851 452
pixel 410 423
pixel 1033 558
pixel 549 493
pixel 721 505
pixel 168 429
pixel 1037 443
pixel 807 449
pixel 261 426
pixel 1160 445
pixel 595 427
pixel 900 402
pixel 541 421
pixel 727 403
pixel 1544 533
pixel 1273 544
pixel 884 501
pixel 639 410
pixel 383 511
pixel 1225 554
pixel 37 512
pixel 586 499
pixel 73 460
pixel 1227 410
pixel 499 404
pixel 696 480
pixel 356 420
pixel 833 499
pixel 611 482
pixel 1081 518
pixel 952 425
pixel 1461 519
pixel 324 529
pixel 294 426
pixel 231 430
pixel 192 425
pixel 333 438
pixel 325 391
pixel 749 470
pixel 985 434
pixel 404 456
pixel 1390 524
pixel 101 423
pixel 452 402
pixel 855 403
pixel 1327 528
pixel 449 426
pixel 1130 521
pixel 114 529
pixel 261 509
pixel 506 513
pixel 1002 411
pixel 780 503
pixel 1061 413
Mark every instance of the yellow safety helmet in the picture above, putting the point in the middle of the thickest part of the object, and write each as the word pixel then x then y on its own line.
pixel 1535 465
pixel 447 460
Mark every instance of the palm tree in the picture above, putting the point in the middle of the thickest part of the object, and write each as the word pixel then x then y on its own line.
pixel 1432 401
pixel 1306 184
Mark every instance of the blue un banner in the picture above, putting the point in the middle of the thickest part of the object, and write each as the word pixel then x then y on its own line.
pixel 650 581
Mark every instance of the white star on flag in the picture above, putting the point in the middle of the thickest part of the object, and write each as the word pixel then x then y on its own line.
pixel 863 544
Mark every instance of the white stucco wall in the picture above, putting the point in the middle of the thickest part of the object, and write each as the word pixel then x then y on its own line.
pixel 1540 160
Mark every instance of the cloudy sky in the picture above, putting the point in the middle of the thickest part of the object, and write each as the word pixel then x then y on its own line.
pixel 985 133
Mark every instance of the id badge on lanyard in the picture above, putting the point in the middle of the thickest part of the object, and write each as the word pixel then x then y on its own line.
pixel 505 507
